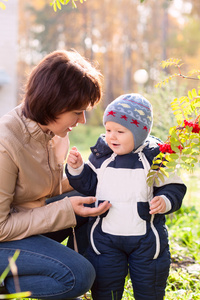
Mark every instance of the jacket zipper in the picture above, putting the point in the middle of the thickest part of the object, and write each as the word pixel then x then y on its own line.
pixel 102 169
pixel 92 237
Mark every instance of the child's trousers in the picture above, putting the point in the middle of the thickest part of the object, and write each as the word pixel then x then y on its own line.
pixel 121 254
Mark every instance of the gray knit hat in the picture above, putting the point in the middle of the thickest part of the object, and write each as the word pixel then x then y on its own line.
pixel 134 112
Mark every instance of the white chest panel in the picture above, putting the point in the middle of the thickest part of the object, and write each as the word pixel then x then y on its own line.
pixel 124 188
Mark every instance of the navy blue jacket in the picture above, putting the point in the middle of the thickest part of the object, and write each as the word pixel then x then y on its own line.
pixel 121 179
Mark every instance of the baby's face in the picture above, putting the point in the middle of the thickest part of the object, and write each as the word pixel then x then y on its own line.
pixel 119 138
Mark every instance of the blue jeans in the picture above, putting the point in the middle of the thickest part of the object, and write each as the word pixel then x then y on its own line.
pixel 47 268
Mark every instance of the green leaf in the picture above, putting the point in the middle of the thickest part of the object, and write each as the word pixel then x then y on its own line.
pixel 195 153
pixel 157 181
pixel 174 156
pixel 151 172
pixel 175 141
pixel 174 148
pixel 6 271
pixel 171 164
pixel 186 151
pixel 169 170
pixel 189 160
pixel 160 175
pixel 184 158
pixel 150 180
pixel 154 167
pixel 193 160
pixel 163 171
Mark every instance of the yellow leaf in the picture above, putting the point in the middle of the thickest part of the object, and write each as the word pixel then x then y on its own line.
pixel 55 7
pixel 2 5
pixel 16 295
pixel 58 4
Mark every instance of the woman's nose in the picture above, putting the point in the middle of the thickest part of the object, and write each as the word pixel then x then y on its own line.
pixel 82 118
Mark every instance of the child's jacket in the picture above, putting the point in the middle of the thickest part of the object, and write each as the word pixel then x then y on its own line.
pixel 121 179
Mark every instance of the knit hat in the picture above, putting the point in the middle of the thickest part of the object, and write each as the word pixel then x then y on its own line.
pixel 134 112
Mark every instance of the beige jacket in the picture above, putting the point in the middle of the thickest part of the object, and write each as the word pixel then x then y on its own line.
pixel 31 170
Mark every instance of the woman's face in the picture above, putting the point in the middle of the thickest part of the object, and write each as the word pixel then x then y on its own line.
pixel 65 122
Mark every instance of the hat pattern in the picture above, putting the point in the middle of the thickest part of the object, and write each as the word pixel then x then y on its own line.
pixel 134 112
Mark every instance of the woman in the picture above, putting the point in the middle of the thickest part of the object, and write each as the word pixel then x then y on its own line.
pixel 33 147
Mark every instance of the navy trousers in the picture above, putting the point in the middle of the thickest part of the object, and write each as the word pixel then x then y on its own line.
pixel 120 255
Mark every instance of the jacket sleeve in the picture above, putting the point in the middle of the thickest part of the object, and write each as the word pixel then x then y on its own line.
pixel 175 192
pixel 18 223
pixel 85 182
pixel 172 188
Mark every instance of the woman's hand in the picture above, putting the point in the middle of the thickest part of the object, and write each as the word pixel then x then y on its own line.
pixel 83 211
pixel 157 205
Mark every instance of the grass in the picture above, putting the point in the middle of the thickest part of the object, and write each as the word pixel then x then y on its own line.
pixel 183 226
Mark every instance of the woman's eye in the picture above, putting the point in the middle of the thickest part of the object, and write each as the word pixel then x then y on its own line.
pixel 78 113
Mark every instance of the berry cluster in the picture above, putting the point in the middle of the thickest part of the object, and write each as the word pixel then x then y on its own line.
pixel 166 148
pixel 195 126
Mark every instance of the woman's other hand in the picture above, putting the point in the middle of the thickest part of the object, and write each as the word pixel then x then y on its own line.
pixel 84 211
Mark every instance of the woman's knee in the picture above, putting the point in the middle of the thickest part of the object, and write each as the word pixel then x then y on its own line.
pixel 54 280
pixel 47 267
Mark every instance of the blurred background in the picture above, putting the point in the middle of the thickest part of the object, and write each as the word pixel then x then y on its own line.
pixel 127 40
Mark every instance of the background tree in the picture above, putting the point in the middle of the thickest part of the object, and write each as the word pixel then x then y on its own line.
pixel 123 36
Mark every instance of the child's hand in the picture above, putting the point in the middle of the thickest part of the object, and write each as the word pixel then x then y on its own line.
pixel 157 205
pixel 74 158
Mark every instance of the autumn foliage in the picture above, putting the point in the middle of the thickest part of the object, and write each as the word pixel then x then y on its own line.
pixel 181 149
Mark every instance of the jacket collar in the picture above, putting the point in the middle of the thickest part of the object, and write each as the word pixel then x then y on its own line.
pixel 33 127
pixel 101 148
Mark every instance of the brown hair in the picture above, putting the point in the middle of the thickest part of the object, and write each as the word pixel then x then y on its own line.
pixel 62 81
